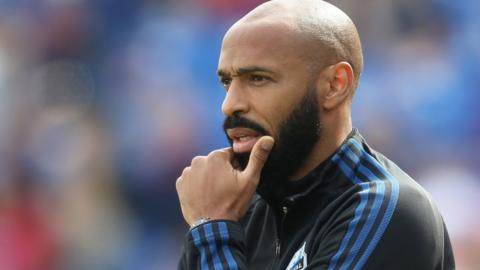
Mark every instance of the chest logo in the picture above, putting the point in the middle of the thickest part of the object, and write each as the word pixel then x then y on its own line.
pixel 299 259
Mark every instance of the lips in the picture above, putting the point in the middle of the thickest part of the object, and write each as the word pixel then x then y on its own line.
pixel 243 139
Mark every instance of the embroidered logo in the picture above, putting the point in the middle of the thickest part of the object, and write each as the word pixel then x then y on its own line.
pixel 299 260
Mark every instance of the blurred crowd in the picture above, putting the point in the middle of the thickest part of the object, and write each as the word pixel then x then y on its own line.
pixel 103 103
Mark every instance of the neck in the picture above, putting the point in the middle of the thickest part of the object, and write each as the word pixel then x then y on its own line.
pixel 331 138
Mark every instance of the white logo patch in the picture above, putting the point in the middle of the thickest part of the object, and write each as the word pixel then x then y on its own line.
pixel 299 259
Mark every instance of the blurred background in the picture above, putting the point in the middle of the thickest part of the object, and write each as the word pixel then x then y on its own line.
pixel 103 103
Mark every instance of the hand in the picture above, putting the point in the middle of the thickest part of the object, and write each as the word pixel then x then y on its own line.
pixel 211 187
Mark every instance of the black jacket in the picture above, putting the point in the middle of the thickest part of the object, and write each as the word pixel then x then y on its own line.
pixel 356 210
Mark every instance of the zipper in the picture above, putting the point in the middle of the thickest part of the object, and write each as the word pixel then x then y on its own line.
pixel 277 247
pixel 278 243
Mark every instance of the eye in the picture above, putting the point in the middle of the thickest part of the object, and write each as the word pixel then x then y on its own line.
pixel 259 79
pixel 226 82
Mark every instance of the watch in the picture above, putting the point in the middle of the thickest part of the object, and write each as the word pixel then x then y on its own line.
pixel 200 221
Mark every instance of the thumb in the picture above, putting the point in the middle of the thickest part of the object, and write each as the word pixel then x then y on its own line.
pixel 258 156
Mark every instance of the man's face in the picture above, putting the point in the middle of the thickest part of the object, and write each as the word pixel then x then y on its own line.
pixel 270 91
pixel 295 140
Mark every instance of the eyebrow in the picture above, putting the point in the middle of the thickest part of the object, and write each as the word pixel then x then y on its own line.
pixel 243 71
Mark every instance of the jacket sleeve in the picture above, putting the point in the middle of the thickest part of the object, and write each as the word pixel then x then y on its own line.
pixel 218 244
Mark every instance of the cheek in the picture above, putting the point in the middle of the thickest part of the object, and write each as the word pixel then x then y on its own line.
pixel 272 111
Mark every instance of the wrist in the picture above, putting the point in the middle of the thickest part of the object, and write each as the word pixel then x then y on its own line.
pixel 200 221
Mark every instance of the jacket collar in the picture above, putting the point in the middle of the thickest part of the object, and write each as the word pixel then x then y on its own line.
pixel 318 176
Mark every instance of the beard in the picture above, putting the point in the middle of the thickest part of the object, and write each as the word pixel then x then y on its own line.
pixel 296 138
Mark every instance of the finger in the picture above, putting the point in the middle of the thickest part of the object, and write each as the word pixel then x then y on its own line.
pixel 227 152
pixel 258 157
pixel 196 160
pixel 231 157
pixel 221 155
pixel 226 149
pixel 185 171
pixel 178 182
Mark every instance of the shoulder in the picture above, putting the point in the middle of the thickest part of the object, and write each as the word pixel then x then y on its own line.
pixel 413 202
pixel 414 207
pixel 415 237
pixel 390 221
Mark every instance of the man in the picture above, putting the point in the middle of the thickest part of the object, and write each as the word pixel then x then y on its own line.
pixel 300 188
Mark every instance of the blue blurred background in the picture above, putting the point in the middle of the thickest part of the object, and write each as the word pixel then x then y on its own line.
pixel 103 103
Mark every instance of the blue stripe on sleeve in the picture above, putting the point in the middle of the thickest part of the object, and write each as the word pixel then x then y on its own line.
pixel 352 225
pixel 226 250
pixel 390 208
pixel 376 206
pixel 351 155
pixel 198 244
pixel 217 265
pixel 367 227
pixel 346 169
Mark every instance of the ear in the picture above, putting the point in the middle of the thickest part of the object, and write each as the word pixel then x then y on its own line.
pixel 340 81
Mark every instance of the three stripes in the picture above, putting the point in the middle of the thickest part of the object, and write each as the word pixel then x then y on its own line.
pixel 218 254
pixel 378 198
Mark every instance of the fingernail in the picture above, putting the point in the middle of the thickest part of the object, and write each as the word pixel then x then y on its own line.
pixel 267 145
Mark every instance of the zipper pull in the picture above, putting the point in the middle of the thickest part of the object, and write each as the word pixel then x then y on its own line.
pixel 284 210
pixel 277 247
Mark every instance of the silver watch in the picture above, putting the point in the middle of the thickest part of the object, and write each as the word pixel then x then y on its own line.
pixel 200 221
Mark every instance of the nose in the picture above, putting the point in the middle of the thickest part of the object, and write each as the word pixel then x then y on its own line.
pixel 235 101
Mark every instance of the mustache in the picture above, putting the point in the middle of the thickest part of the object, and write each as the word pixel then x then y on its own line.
pixel 238 121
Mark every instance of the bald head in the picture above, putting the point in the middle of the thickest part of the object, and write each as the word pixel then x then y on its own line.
pixel 321 33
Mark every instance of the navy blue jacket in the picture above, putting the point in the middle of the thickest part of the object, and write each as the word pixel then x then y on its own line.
pixel 356 210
